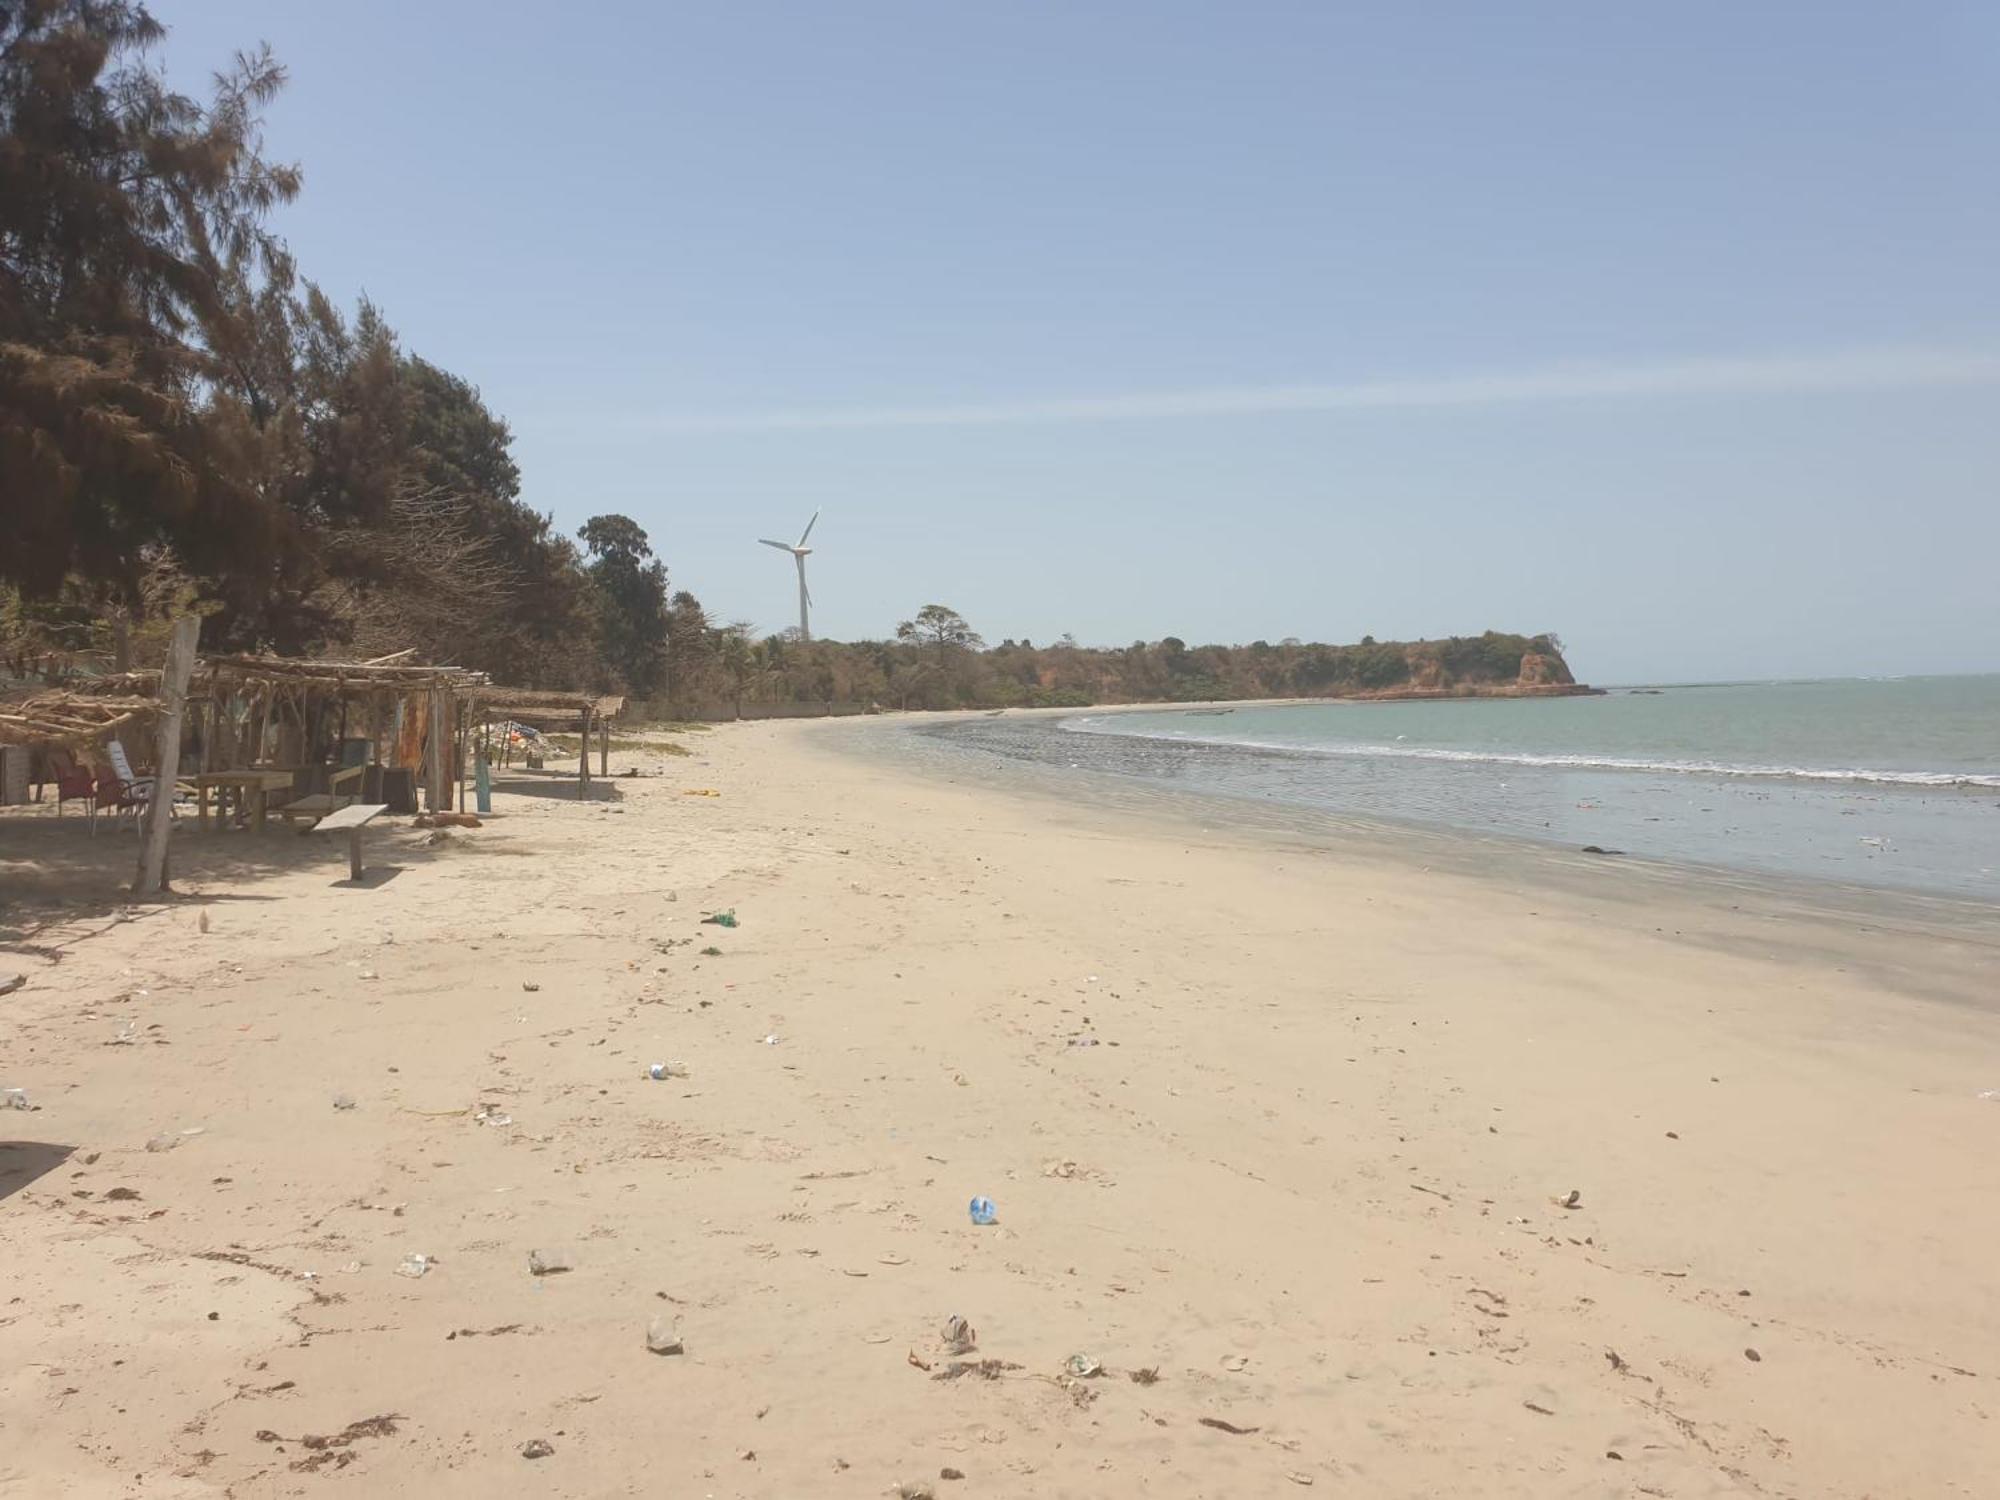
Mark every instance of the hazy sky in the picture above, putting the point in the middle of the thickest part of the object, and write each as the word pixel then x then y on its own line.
pixel 1675 329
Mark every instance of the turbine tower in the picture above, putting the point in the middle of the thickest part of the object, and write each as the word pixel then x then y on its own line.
pixel 800 552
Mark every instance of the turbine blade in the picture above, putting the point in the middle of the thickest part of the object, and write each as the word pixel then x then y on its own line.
pixel 781 546
pixel 809 528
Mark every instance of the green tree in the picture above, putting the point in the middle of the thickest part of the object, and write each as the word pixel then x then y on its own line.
pixel 534 628
pixel 120 204
pixel 630 586
pixel 940 627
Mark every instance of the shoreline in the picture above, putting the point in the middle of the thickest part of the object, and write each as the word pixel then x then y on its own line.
pixel 1723 905
pixel 1901 829
pixel 1290 1123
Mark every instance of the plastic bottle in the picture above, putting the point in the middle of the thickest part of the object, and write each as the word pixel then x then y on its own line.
pixel 983 1211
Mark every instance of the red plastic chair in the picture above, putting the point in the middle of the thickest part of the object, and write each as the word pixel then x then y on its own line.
pixel 74 783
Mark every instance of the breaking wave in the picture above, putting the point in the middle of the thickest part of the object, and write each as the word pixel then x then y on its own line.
pixel 1578 762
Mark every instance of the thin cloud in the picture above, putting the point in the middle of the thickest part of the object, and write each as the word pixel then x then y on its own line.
pixel 1884 370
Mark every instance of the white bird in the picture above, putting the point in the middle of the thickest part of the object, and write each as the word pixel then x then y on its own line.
pixel 800 552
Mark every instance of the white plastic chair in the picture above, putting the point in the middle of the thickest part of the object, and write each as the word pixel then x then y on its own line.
pixel 141 786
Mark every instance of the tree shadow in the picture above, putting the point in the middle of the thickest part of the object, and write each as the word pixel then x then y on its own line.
pixel 556 788
pixel 53 872
pixel 24 1162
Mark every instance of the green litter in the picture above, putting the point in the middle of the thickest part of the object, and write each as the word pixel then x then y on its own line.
pixel 721 919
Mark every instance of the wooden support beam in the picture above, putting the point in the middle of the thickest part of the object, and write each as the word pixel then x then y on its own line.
pixel 438 797
pixel 583 763
pixel 151 876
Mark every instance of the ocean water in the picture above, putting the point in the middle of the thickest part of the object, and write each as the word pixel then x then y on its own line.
pixel 1881 782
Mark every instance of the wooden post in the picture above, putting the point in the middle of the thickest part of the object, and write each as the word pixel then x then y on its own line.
pixel 434 763
pixel 583 765
pixel 604 747
pixel 258 751
pixel 151 876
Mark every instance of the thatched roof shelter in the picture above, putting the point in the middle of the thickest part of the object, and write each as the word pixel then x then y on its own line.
pixel 294 712
pixel 577 713
pixel 547 710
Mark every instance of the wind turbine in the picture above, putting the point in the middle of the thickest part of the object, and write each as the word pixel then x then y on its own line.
pixel 800 551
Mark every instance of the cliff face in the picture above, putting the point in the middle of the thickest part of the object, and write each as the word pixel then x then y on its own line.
pixel 1544 669
pixel 1494 665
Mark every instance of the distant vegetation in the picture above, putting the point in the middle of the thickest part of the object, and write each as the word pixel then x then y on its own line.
pixel 938 661
pixel 186 422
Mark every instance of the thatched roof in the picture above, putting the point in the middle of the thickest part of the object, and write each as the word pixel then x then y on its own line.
pixel 64 718
pixel 545 709
pixel 383 672
pixel 237 672
pixel 98 707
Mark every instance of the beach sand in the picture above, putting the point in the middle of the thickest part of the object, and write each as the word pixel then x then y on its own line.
pixel 1355 1171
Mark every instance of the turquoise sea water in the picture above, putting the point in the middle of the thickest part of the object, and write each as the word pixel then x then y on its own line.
pixel 1892 782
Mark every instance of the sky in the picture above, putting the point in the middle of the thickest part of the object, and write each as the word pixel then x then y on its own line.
pixel 1672 329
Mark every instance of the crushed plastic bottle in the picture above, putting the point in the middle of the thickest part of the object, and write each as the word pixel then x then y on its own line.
pixel 14 1099
pixel 983 1211
pixel 414 1264
pixel 661 1071
pixel 662 1337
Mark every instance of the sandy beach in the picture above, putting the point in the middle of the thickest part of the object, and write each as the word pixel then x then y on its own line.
pixel 1409 1168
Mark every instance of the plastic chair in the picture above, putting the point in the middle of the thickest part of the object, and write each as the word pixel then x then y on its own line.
pixel 74 783
pixel 118 797
pixel 141 786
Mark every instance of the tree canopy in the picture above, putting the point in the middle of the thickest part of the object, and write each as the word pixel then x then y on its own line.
pixel 124 208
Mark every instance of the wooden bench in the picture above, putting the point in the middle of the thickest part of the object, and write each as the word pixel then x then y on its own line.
pixel 351 820
pixel 332 800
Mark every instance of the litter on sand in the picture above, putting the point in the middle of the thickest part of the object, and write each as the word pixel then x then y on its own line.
pixel 983 1211
pixel 720 918
pixel 662 1337
pixel 958 1335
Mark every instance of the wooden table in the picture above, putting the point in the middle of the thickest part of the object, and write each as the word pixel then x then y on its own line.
pixel 350 820
pixel 254 785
